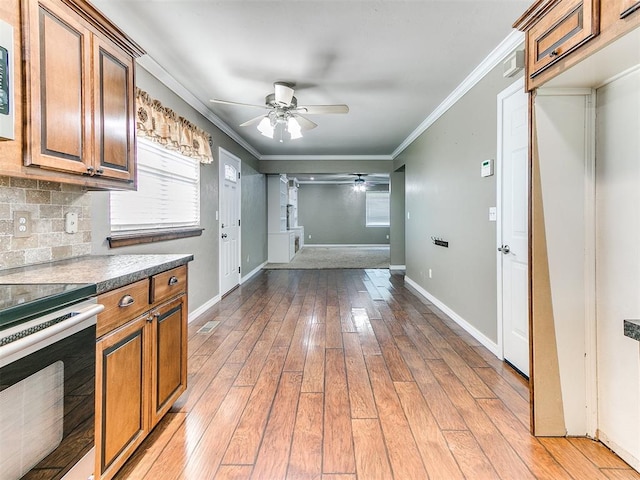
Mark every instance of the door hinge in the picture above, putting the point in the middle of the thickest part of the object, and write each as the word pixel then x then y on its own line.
pixel 238 222
pixel 238 269
pixel 238 175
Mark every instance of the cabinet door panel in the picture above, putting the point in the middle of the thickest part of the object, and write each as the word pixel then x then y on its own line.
pixel 58 83
pixel 121 389
pixel 170 356
pixel 114 119
pixel 569 24
pixel 628 7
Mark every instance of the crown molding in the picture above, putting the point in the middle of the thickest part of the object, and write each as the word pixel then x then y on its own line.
pixel 506 47
pixel 155 69
pixel 325 157
pixel 514 40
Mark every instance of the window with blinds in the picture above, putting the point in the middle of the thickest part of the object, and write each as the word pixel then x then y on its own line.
pixel 168 194
pixel 377 209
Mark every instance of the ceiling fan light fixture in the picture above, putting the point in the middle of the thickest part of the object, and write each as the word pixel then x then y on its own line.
pixel 265 127
pixel 294 129
pixel 359 185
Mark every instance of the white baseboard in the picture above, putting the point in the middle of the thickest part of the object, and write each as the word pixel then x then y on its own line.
pixel 252 273
pixel 203 308
pixel 473 331
pixel 343 245
pixel 618 450
pixel 398 267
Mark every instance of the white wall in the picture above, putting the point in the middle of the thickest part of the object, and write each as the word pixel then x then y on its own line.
pixel 562 127
pixel 618 263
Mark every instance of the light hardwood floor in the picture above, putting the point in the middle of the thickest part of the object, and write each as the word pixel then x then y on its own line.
pixel 344 375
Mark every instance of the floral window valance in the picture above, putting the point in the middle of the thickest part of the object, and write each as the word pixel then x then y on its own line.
pixel 164 126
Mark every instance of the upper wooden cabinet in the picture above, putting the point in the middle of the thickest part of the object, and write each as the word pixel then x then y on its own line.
pixel 80 93
pixel 561 33
pixel 555 29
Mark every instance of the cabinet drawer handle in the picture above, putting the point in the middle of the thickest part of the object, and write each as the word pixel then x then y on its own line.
pixel 173 281
pixel 554 53
pixel 126 301
pixel 100 171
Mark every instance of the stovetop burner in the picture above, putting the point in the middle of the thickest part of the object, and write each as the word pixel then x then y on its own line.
pixel 21 302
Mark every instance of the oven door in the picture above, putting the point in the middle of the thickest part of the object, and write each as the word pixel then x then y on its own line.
pixel 47 385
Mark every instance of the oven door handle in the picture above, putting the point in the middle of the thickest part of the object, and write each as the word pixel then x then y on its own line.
pixel 83 318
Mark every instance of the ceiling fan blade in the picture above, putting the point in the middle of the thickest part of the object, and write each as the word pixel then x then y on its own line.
pixel 322 109
pixel 226 102
pixel 305 123
pixel 253 121
pixel 283 93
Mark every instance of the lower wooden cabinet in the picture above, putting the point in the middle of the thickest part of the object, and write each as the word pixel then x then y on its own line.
pixel 141 370
pixel 122 390
pixel 168 363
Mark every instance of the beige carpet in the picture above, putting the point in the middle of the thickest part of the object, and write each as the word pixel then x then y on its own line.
pixel 336 257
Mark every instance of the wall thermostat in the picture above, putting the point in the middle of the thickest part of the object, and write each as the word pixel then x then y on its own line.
pixel 487 168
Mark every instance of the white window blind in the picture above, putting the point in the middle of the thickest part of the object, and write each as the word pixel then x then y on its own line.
pixel 377 209
pixel 168 194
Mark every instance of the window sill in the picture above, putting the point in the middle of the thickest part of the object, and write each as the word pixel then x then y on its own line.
pixel 125 239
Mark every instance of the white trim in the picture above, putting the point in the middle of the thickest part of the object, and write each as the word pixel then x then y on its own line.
pixel 506 93
pixel 504 49
pixel 203 308
pixel 473 331
pixel 339 245
pixel 591 367
pixel 620 451
pixel 514 40
pixel 326 157
pixel 252 273
pixel 155 69
pixel 398 267
pixel 618 76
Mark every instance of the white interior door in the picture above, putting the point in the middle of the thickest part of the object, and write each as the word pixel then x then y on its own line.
pixel 229 224
pixel 513 251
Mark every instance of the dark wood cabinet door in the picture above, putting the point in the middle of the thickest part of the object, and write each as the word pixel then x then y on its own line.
pixel 122 386
pixel 114 112
pixel 169 358
pixel 57 85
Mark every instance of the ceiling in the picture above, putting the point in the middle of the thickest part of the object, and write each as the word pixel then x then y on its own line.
pixel 392 61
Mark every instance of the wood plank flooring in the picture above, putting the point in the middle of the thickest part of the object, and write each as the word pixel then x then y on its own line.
pixel 344 375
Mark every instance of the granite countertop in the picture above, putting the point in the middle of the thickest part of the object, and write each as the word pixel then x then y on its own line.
pixel 107 272
pixel 632 329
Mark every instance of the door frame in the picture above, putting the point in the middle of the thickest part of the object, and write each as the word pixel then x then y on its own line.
pixel 507 92
pixel 221 153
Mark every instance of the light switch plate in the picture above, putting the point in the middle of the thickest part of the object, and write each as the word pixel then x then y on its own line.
pixel 493 214
pixel 71 222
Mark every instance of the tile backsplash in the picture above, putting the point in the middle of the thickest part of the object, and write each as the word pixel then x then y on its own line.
pixel 48 203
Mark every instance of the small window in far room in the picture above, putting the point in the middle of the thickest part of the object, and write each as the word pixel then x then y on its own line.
pixel 377 209
pixel 168 194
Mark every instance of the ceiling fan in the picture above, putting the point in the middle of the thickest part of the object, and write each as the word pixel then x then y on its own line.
pixel 284 114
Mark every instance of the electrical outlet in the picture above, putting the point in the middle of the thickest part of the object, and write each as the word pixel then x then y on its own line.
pixel 309 236
pixel 387 237
pixel 21 224
pixel 430 274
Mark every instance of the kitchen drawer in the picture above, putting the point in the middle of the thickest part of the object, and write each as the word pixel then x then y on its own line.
pixel 569 24
pixel 122 305
pixel 168 284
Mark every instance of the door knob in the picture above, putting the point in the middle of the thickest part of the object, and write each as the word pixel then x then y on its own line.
pixel 504 249
pixel 224 235
pixel 222 226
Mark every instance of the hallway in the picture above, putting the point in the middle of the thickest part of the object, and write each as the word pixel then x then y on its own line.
pixel 346 374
